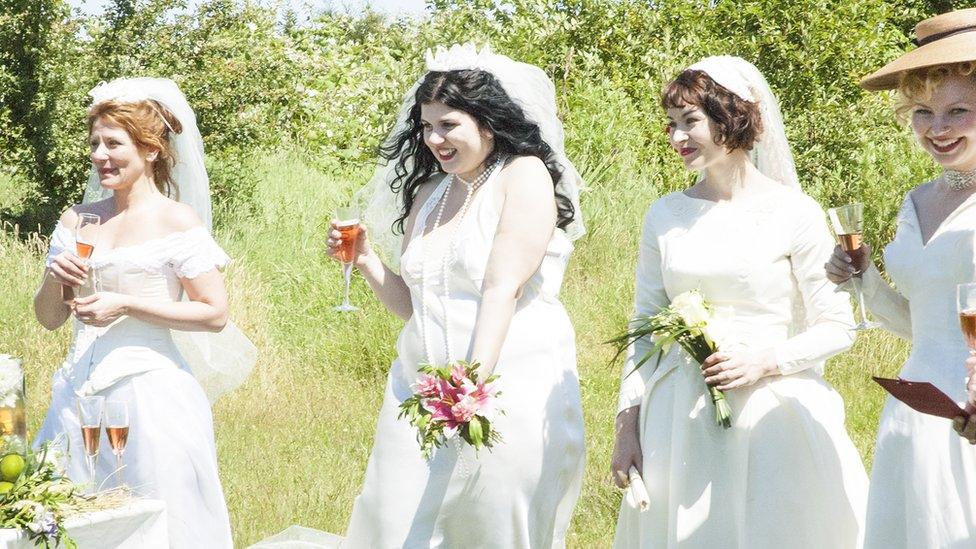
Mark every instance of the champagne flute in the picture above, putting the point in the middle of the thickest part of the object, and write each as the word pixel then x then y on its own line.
pixel 347 222
pixel 966 306
pixel 117 429
pixel 86 236
pixel 90 411
pixel 848 223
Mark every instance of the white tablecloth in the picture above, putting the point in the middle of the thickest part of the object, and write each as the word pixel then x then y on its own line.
pixel 140 524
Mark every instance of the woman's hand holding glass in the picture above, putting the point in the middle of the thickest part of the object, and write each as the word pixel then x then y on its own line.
pixel 69 269
pixel 362 251
pixel 842 267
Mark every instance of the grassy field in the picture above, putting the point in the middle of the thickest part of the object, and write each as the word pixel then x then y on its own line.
pixel 293 441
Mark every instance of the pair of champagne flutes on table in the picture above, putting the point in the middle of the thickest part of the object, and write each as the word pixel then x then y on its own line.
pixel 848 223
pixel 93 413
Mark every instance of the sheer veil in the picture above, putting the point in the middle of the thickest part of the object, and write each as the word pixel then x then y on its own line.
pixel 527 85
pixel 771 153
pixel 220 361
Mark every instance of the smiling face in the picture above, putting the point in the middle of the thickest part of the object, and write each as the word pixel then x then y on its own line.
pixel 456 140
pixel 116 158
pixel 945 123
pixel 692 134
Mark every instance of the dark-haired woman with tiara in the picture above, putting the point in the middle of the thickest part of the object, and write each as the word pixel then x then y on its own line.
pixel 478 204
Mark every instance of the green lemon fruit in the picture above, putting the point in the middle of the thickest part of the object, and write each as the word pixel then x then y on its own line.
pixel 11 466
pixel 5 487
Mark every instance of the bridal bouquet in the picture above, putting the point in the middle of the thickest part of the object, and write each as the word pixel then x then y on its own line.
pixel 690 322
pixel 452 401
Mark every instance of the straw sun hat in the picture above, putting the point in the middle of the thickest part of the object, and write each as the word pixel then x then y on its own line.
pixel 943 39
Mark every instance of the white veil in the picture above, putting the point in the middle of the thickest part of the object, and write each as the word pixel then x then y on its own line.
pixel 220 361
pixel 527 85
pixel 771 153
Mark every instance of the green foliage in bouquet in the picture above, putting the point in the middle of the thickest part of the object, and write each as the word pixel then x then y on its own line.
pixel 452 401
pixel 35 496
pixel 685 322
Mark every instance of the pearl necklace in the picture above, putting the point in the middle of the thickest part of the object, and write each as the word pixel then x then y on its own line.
pixel 446 260
pixel 958 181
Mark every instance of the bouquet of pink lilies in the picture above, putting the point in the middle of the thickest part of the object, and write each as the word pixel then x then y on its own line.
pixel 452 401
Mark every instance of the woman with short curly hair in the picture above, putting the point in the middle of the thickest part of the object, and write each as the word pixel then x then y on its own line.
pixel 785 473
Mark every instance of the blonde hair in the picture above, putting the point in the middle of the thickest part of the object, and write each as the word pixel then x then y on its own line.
pixel 149 124
pixel 918 85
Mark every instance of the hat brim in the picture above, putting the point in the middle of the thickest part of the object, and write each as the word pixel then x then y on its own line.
pixel 951 49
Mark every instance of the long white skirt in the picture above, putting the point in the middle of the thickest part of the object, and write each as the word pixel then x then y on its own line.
pixel 170 454
pixel 923 483
pixel 785 475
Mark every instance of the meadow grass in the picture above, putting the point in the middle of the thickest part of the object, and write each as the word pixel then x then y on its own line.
pixel 294 439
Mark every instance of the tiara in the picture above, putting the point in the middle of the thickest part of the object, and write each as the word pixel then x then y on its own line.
pixel 458 57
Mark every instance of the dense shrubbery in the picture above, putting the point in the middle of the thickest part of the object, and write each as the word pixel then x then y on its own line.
pixel 258 80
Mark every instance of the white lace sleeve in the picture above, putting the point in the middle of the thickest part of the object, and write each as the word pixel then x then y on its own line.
pixel 649 298
pixel 829 317
pixel 196 253
pixel 61 240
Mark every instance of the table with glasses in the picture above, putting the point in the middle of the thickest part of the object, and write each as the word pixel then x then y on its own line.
pixel 138 524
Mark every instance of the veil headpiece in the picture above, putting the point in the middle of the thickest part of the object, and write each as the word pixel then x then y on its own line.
pixel 771 152
pixel 527 86
pixel 220 361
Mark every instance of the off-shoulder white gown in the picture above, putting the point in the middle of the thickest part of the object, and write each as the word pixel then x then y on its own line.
pixel 786 474
pixel 923 481
pixel 170 453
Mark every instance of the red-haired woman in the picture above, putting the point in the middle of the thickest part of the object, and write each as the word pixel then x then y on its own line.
pixel 126 298
pixel 785 474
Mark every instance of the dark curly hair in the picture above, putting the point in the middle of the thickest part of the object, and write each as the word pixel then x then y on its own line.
pixel 739 121
pixel 479 94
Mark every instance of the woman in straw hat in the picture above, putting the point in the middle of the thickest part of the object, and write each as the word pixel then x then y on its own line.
pixel 923 483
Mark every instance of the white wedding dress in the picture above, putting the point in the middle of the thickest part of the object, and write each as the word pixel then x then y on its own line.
pixel 519 494
pixel 170 454
pixel 923 482
pixel 786 474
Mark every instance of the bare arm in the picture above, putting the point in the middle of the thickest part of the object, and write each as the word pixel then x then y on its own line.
pixel 528 219
pixel 66 272
pixel 387 285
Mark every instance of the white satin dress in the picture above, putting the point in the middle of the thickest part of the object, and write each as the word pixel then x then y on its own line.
pixel 521 493
pixel 170 454
pixel 923 481
pixel 786 474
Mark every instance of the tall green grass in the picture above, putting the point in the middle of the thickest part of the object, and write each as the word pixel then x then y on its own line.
pixel 294 439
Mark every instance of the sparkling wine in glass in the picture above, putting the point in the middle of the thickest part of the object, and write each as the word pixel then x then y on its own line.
pixel 90 411
pixel 117 428
pixel 848 223
pixel 86 236
pixel 966 305
pixel 347 222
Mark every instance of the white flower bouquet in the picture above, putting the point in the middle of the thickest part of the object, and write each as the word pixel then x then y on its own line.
pixel 690 322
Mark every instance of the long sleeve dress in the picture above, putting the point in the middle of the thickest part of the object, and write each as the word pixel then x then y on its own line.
pixel 786 474
pixel 923 481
